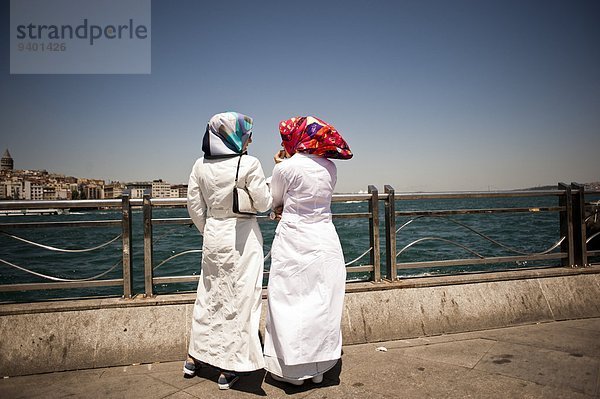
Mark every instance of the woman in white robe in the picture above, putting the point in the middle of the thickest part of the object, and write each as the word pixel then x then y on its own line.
pixel 226 314
pixel 307 277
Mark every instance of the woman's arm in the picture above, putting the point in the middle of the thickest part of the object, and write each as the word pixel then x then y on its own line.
pixel 195 201
pixel 258 188
pixel 278 187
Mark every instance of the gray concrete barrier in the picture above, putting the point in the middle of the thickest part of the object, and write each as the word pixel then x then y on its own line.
pixel 69 335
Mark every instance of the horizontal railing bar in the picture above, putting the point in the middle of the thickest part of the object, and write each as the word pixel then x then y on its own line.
pixel 186 279
pixel 352 197
pixel 160 221
pixel 88 223
pixel 168 201
pixel 185 221
pixel 359 269
pixel 357 215
pixel 183 201
pixel 175 279
pixel 178 202
pixel 16 205
pixel 476 261
pixel 60 285
pixel 478 194
pixel 480 211
pixel 593 253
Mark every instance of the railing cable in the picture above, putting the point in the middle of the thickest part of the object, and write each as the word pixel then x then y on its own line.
pixel 191 251
pixel 357 259
pixel 51 248
pixel 59 278
pixel 555 245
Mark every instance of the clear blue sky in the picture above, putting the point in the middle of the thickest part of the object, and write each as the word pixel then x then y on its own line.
pixel 430 95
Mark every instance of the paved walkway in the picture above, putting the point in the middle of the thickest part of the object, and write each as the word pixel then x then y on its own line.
pixel 547 360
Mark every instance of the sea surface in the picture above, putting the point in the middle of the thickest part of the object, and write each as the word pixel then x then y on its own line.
pixel 530 232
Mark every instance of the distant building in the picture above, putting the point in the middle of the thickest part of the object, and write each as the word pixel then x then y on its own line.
pixel 7 163
pixel 91 188
pixel 49 193
pixel 34 191
pixel 92 191
pixel 181 189
pixel 161 189
pixel 595 186
pixel 113 190
pixel 62 193
pixel 11 189
pixel 137 190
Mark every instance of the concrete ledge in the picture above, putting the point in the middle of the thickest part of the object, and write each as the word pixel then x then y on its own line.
pixel 68 335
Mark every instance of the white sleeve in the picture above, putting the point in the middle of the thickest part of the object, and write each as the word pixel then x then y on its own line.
pixel 195 202
pixel 278 187
pixel 334 174
pixel 257 187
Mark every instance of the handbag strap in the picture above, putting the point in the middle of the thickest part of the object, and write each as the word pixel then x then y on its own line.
pixel 237 172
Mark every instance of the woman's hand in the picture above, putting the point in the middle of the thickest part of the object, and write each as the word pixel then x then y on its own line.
pixel 276 213
pixel 279 156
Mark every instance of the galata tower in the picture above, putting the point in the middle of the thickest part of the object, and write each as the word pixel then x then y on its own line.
pixel 7 162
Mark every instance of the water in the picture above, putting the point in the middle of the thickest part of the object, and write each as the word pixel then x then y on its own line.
pixel 530 232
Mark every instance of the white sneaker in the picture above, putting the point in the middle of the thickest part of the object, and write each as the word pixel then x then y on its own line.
pixel 226 380
pixel 289 381
pixel 317 379
pixel 190 368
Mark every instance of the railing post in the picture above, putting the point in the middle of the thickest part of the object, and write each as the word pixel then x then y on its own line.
pixel 390 234
pixel 579 234
pixel 566 224
pixel 127 248
pixel 374 232
pixel 148 259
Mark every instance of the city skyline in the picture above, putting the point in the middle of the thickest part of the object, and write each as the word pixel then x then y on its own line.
pixel 31 184
pixel 430 96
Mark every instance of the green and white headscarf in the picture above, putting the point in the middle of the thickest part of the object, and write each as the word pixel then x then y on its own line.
pixel 226 134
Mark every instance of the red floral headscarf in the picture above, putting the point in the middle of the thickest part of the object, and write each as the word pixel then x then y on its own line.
pixel 311 135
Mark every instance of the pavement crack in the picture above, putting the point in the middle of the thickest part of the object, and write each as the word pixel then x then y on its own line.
pixel 484 355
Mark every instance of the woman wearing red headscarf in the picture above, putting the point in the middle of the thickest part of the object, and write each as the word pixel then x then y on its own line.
pixel 307 277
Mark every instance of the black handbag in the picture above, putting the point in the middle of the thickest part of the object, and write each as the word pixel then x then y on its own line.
pixel 242 202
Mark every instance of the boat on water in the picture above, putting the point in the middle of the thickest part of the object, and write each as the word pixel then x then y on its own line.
pixel 31 212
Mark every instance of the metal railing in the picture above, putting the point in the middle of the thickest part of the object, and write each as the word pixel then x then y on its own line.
pixel 571 243
pixel 55 282
pixel 571 247
pixel 589 212
pixel 150 266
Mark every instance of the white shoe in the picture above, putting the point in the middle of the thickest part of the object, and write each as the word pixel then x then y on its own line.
pixel 289 381
pixel 190 367
pixel 317 379
pixel 226 380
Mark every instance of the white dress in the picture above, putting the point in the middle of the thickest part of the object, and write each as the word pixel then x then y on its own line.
pixel 307 277
pixel 226 315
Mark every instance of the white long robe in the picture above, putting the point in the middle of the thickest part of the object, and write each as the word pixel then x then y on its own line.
pixel 227 310
pixel 307 276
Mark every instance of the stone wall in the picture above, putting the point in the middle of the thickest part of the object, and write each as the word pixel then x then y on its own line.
pixel 68 335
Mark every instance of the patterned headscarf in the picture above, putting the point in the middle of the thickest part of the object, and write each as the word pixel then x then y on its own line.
pixel 226 134
pixel 311 135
